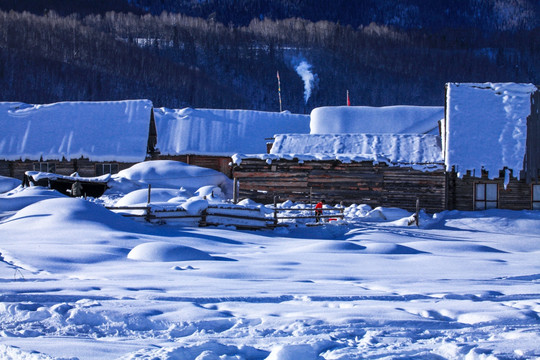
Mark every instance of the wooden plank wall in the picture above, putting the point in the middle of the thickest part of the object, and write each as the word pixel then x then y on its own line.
pixel 360 183
pixel 84 167
pixel 532 158
pixel 516 196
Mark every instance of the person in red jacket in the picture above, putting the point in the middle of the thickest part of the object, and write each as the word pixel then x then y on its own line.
pixel 318 210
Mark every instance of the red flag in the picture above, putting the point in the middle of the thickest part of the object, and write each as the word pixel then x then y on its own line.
pixel 348 100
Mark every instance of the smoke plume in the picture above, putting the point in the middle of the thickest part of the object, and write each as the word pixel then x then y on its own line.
pixel 304 70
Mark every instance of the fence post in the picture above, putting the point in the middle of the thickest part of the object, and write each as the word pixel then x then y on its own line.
pixel 235 191
pixel 148 202
pixel 417 213
pixel 310 196
pixel 275 210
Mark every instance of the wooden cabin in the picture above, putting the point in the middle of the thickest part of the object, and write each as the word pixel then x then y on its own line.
pixel 209 137
pixel 391 170
pixel 90 138
pixel 491 141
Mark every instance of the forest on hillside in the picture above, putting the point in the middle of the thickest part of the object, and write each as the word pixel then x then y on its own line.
pixel 177 60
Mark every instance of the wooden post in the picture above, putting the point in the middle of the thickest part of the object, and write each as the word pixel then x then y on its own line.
pixel 148 202
pixel 416 215
pixel 310 196
pixel 235 191
pixel 275 210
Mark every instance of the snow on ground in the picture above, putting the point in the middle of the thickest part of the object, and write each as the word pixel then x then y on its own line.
pixel 81 282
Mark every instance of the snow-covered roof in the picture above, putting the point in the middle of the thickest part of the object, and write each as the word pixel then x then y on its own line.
pixel 393 149
pixel 222 132
pixel 486 126
pixel 376 120
pixel 99 131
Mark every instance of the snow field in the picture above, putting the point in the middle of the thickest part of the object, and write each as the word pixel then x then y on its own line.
pixel 462 286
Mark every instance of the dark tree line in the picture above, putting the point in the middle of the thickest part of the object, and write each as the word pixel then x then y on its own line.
pixel 177 60
pixel 484 15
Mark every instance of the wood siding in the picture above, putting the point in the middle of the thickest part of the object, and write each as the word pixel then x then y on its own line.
pixel 84 167
pixel 532 157
pixel 360 183
pixel 516 196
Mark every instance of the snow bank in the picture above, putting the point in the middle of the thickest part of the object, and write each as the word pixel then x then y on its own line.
pixel 376 120
pixel 8 183
pixel 222 132
pixel 486 127
pixel 99 131
pixel 388 148
pixel 172 175
pixel 21 197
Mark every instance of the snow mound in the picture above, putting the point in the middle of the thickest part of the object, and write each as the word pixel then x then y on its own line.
pixel 7 184
pixel 293 352
pixel 69 213
pixel 173 174
pixel 161 251
pixel 139 197
pixel 20 198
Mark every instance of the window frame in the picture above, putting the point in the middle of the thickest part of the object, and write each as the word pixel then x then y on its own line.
pixel 50 167
pixel 485 201
pixel 100 168
pixel 535 201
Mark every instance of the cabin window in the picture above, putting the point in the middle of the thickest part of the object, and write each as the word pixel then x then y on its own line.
pixel 536 197
pixel 102 169
pixel 45 167
pixel 485 196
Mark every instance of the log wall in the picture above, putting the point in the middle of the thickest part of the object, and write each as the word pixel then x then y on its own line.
pixel 516 196
pixel 84 167
pixel 360 183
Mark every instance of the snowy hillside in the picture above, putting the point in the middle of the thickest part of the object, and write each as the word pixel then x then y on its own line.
pixel 82 282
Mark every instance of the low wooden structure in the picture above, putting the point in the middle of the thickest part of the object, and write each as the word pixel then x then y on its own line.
pixel 480 192
pixel 355 182
pixel 90 138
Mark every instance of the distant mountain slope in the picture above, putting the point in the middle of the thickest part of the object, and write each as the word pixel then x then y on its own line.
pixel 177 60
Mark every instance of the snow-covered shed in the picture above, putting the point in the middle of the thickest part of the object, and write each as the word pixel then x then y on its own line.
pixel 381 169
pixel 209 137
pixel 491 142
pixel 91 138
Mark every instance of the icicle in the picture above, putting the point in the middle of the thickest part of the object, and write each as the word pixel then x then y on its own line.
pixel 507 173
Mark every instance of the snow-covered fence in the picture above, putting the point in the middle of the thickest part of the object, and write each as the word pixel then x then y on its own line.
pixel 329 213
pixel 213 215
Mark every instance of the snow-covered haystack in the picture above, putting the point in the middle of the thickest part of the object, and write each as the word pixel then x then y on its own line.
pixel 376 120
pixel 167 174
